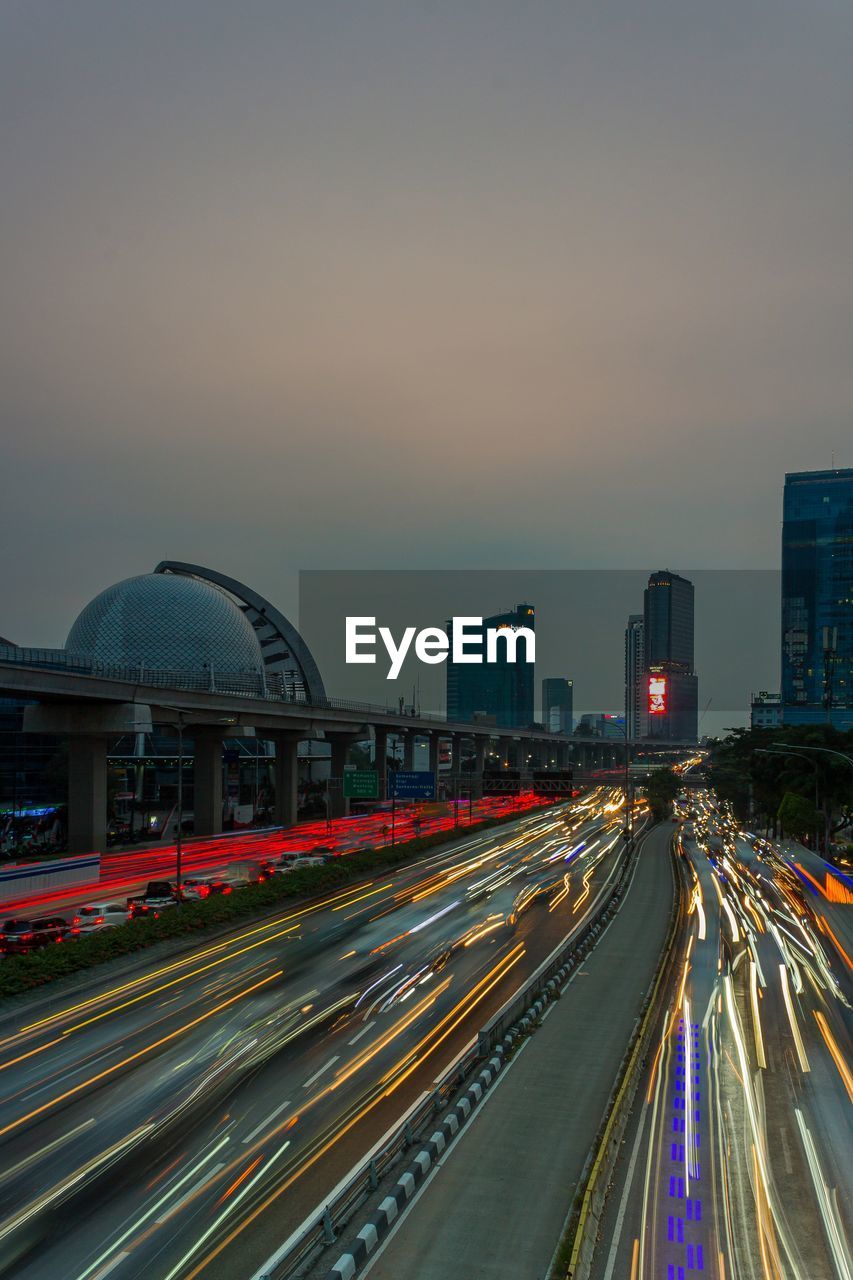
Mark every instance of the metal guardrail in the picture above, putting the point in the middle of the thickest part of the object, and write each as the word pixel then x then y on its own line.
pixel 320 1228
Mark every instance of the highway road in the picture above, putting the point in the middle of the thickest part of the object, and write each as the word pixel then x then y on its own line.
pixel 181 1122
pixel 739 1161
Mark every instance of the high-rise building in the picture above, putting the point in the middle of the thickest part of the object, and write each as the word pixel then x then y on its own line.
pixel 501 689
pixel 672 688
pixel 602 724
pixel 765 710
pixel 635 669
pixel 557 704
pixel 817 598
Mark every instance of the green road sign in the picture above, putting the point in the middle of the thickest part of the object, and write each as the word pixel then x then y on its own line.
pixel 361 784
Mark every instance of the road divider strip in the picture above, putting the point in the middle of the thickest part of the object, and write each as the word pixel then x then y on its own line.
pixel 574 1254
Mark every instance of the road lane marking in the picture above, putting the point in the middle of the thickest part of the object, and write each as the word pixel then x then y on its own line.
pixel 317 1074
pixel 267 1120
pixel 111 1266
pixel 623 1203
pixel 188 1195
pixel 363 1031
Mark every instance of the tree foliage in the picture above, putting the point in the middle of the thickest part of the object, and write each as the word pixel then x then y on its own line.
pixel 756 784
pixel 660 791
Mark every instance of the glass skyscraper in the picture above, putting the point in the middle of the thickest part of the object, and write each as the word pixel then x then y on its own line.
pixel 817 598
pixel 500 690
pixel 557 704
pixel 635 670
pixel 672 687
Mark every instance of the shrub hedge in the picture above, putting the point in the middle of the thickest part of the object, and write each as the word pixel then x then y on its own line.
pixel 24 973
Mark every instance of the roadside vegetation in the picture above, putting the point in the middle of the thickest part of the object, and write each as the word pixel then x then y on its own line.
pixel 785 781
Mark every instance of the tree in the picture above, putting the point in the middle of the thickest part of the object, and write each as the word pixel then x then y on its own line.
pixel 660 791
pixel 756 783
pixel 797 816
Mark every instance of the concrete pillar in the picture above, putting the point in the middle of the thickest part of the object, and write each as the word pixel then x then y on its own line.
pixel 207 779
pixel 380 759
pixel 286 778
pixel 433 757
pixel 481 746
pixel 338 805
pixel 87 794
pixel 523 748
pixel 408 750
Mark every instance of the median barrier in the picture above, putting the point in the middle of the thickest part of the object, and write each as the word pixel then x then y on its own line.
pixel 574 1255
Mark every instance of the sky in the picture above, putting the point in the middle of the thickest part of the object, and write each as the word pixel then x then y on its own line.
pixel 462 283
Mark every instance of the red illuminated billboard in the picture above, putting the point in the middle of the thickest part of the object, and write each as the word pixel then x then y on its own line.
pixel 657 695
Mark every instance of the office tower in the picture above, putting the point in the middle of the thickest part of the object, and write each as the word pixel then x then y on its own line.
pixel 765 710
pixel 672 701
pixel 635 668
pixel 817 598
pixel 557 704
pixel 501 689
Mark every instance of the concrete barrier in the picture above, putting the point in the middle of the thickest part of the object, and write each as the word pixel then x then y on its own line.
pixel 25 878
pixel 598 1171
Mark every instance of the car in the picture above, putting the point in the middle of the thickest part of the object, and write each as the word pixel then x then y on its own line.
pixel 20 936
pixel 97 916
pixel 305 860
pixel 158 896
pixel 194 890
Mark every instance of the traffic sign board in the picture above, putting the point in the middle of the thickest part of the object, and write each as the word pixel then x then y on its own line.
pixel 412 784
pixel 361 784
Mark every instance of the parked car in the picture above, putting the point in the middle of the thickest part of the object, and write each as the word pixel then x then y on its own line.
pixel 98 916
pixel 20 936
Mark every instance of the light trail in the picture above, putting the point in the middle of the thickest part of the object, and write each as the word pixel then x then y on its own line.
pixel 792 1018
pixel 835 1053
pixel 134 1057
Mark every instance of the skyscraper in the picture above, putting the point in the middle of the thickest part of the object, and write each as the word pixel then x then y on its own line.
pixel 635 669
pixel 672 692
pixel 557 704
pixel 501 689
pixel 817 598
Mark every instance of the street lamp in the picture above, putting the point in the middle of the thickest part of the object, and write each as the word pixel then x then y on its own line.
pixel 180 724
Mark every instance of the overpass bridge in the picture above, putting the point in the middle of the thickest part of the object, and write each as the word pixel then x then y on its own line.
pixel 91 703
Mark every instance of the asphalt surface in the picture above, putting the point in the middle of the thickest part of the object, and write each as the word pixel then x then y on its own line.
pixel 184 1120
pixel 738 1161
pixel 497 1203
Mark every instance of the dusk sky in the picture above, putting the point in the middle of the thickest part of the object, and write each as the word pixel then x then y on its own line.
pixel 355 285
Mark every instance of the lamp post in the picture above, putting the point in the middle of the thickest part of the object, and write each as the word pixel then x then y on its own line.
pixel 180 724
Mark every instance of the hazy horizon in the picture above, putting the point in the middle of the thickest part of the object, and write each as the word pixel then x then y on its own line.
pixel 407 285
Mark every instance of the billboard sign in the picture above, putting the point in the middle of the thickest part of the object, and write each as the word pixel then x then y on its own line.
pixel 657 695
pixel 411 784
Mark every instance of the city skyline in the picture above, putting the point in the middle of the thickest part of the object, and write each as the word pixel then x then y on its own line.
pixel 434 268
